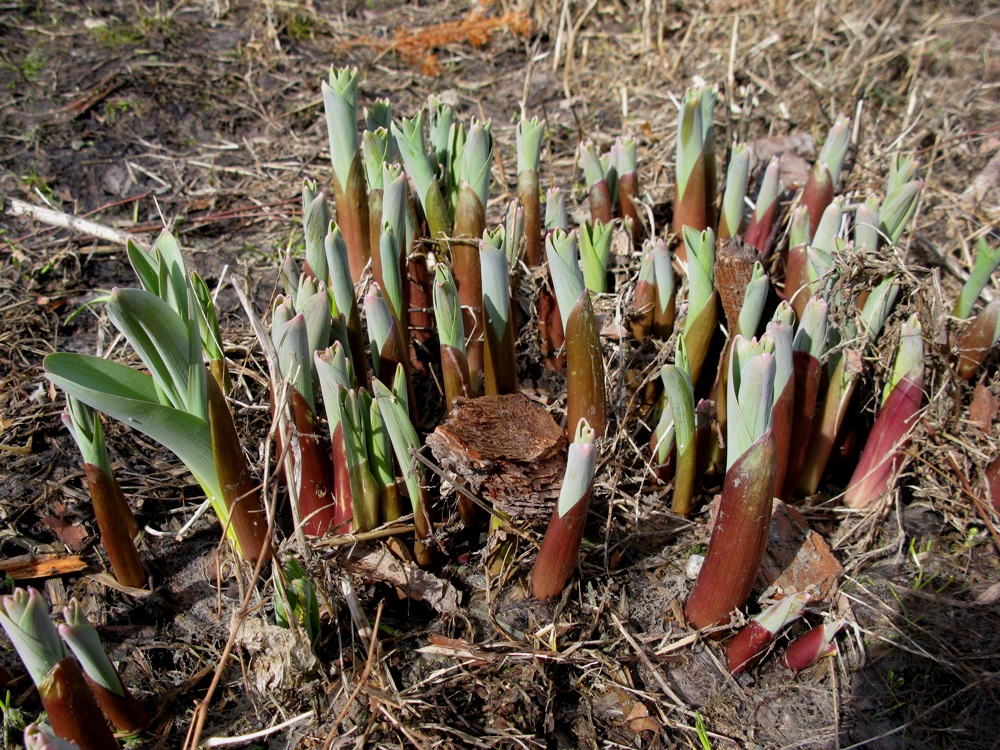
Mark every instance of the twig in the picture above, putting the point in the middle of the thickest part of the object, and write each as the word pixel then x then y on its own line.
pixel 66 221
pixel 201 712
pixel 223 741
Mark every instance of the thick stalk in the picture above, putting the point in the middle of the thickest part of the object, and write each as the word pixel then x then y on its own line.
pixel 240 493
pixel 739 537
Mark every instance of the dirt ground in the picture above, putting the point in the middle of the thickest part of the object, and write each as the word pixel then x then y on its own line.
pixel 206 116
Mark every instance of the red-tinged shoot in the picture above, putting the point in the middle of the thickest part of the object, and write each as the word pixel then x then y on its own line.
pixel 736 189
pixel 825 174
pixel 601 206
pixel 884 450
pixel 71 706
pixel 561 546
pixel 747 647
pixel 690 185
pixel 340 101
pixel 451 333
pixel 125 712
pixel 842 383
pixel 758 233
pixel 529 150
pixel 625 163
pixel 739 536
pixel 808 649
pixel 114 516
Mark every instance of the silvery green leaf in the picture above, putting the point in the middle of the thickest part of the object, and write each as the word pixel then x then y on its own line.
pixel 555 210
pixel 736 188
pixel 340 101
pixel 529 144
pixel 85 643
pixel 25 617
pixel 750 396
pixel 581 464
pixel 447 311
pixel 496 287
pixel 564 265
pixel 341 286
pixel 130 397
pixel 754 300
pixel 595 253
pixel 810 336
pixel 405 443
pixel 161 339
pixel 680 395
pixel 477 159
pixel 593 172
pixel 701 269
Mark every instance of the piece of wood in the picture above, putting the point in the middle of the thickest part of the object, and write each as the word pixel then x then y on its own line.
pixel 28 567
pixel 509 450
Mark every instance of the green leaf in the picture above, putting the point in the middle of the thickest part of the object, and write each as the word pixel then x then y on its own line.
pixel 130 397
pixel 405 442
pixel 340 100
pixel 162 341
pixel 564 265
pixel 581 463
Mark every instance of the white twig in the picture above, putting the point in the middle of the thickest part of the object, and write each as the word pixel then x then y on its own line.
pixel 66 221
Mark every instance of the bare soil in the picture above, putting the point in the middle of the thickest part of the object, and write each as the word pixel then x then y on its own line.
pixel 206 116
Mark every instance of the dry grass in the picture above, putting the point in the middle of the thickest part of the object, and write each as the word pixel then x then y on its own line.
pixel 214 111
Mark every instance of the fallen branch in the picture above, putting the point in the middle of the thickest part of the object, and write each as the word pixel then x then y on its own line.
pixel 67 221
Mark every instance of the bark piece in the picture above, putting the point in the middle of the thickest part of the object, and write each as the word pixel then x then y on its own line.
pixel 509 450
pixel 797 558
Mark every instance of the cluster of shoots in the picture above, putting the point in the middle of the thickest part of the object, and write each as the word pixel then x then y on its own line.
pixel 79 687
pixel 403 267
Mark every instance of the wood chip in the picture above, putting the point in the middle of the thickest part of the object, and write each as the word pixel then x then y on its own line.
pixel 28 567
pixel 509 450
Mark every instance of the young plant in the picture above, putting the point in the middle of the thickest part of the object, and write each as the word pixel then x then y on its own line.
pixel 654 300
pixel 585 393
pixel 114 516
pixel 470 223
pixel 736 190
pixel 982 331
pixel 702 315
pixel 758 233
pixel 405 446
pixel 746 649
pixel 739 537
pixel 884 450
pixel 841 388
pixel 500 359
pixel 812 646
pixel 529 150
pixel 125 712
pixel 808 346
pixel 451 332
pixel 179 406
pixel 561 546
pixel 601 206
pixel 340 101
pixel 690 187
pixel 595 253
pixel 296 336
pixel 680 399
pixel 409 135
pixel 623 158
pixel 825 174
pixel 72 709
pixel 296 600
